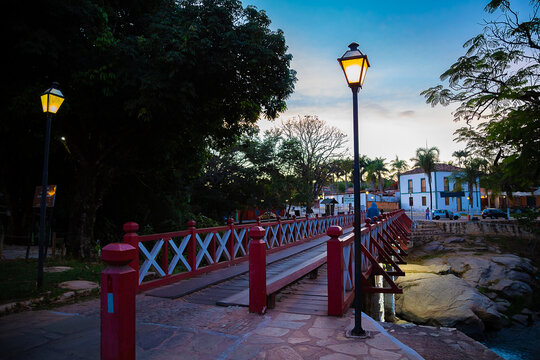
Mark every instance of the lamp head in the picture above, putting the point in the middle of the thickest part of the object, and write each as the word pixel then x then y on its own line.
pixel 354 65
pixel 52 99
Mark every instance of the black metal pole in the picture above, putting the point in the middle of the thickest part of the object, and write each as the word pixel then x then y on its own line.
pixel 43 207
pixel 357 330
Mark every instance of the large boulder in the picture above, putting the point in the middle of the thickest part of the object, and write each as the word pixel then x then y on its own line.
pixel 507 274
pixel 445 300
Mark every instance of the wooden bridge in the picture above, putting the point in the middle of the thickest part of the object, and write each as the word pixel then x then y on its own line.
pixel 266 265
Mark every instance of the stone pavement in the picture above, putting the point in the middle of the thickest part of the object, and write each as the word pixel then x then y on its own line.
pixel 175 329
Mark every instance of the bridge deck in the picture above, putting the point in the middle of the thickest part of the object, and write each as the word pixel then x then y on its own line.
pixel 218 285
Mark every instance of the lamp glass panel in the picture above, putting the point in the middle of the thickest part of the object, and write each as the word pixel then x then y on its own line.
pixel 54 103
pixel 364 71
pixel 44 101
pixel 353 70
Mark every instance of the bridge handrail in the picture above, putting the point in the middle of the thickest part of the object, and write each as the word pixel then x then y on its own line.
pixel 341 260
pixel 177 255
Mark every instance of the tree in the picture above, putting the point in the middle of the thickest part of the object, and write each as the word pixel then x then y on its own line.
pixel 148 85
pixel 376 170
pixel 461 156
pixel 426 159
pixel 319 146
pixel 497 82
pixel 399 166
pixel 470 174
pixel 253 173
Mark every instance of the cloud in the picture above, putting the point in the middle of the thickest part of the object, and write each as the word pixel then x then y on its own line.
pixel 406 113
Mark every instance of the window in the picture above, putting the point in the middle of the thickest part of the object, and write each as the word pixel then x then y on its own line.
pixel 446 185
pixel 423 185
pixel 410 186
pixel 459 204
pixel 423 201
pixel 446 201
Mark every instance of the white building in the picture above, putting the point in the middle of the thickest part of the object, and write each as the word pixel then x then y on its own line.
pixel 414 190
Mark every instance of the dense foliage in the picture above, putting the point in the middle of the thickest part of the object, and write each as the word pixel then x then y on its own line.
pixel 497 86
pixel 148 85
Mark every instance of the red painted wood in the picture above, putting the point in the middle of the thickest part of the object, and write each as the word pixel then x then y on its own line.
pixel 257 270
pixel 192 246
pixel 118 290
pixel 131 237
pixel 334 254
pixel 294 227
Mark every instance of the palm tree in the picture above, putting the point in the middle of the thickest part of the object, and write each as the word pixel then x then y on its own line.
pixel 461 156
pixel 426 159
pixel 470 174
pixel 399 166
pixel 376 170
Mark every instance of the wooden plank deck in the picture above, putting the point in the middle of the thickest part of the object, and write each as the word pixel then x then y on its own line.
pixel 241 297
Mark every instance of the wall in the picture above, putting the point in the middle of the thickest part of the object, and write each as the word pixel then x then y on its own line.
pixel 502 227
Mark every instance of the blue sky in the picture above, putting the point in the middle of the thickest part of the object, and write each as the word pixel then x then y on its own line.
pixel 409 44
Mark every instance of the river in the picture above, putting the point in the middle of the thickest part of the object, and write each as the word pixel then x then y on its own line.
pixel 516 342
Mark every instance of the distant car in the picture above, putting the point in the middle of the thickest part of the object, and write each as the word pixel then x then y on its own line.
pixel 493 214
pixel 444 214
pixel 268 215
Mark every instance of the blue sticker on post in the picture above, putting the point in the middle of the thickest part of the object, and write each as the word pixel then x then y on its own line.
pixel 110 303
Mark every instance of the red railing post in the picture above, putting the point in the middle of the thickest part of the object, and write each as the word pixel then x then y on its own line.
pixel 257 270
pixel 230 241
pixel 131 238
pixel 294 232
pixel 118 290
pixel 335 271
pixel 192 247
pixel 279 234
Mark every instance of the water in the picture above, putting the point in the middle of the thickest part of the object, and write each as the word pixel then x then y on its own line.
pixel 516 343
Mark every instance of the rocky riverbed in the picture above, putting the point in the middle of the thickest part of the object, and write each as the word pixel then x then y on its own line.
pixel 472 283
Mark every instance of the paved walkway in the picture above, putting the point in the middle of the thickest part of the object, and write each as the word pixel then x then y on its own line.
pixel 175 329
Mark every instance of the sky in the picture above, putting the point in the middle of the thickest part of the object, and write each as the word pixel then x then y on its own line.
pixel 409 45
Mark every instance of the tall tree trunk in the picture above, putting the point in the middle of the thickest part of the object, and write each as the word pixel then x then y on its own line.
pixel 86 200
pixel 430 197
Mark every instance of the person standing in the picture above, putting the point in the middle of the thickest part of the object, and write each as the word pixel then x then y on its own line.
pixel 427 213
pixel 373 211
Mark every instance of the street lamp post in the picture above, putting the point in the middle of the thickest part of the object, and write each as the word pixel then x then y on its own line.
pixel 354 65
pixel 51 100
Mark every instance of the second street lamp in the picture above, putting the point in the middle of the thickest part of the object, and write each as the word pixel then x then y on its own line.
pixel 51 100
pixel 354 65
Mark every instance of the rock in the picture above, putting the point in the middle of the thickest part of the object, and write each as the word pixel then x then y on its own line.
pixel 527 312
pixel 433 246
pixel 56 269
pixel 502 305
pixel 512 288
pixel 520 319
pixel 515 262
pixel 488 272
pixel 445 300
pixel 78 285
pixel 454 240
pixel 434 269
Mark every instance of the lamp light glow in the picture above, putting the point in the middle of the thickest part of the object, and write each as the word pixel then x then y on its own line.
pixel 354 65
pixel 52 99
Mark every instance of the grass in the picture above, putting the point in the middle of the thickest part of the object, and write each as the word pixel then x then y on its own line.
pixel 18 281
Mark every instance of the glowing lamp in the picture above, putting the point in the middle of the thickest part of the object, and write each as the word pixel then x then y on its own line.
pixel 354 65
pixel 52 99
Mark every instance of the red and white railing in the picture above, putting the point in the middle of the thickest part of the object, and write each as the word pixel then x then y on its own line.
pixel 383 241
pixel 182 254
